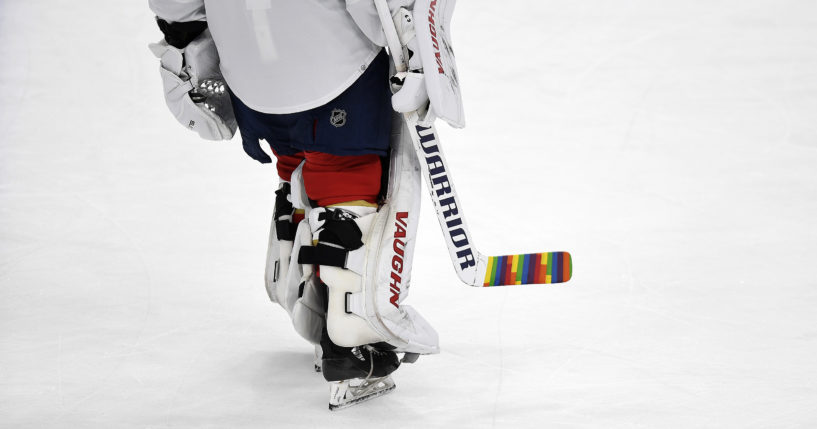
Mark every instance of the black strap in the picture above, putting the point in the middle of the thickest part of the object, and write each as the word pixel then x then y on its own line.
pixel 282 204
pixel 285 230
pixel 340 229
pixel 322 255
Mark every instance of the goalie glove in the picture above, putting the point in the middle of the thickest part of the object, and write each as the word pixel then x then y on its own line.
pixel 194 89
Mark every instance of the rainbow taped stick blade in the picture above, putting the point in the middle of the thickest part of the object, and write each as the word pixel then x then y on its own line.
pixel 531 268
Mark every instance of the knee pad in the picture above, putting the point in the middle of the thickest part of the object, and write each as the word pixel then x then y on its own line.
pixel 365 257
pixel 339 251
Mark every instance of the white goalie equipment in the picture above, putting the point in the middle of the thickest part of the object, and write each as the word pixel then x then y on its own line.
pixel 390 248
pixel 432 20
pixel 376 311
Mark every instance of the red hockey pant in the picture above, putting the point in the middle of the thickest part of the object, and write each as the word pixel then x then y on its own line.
pixel 332 179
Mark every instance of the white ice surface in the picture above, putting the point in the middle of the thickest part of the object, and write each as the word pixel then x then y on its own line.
pixel 670 145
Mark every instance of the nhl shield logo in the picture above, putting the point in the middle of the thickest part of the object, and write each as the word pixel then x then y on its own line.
pixel 338 118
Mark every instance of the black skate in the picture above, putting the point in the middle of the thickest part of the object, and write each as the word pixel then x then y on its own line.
pixel 356 374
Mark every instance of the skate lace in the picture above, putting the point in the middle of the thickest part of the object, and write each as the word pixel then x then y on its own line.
pixel 371 363
pixel 372 352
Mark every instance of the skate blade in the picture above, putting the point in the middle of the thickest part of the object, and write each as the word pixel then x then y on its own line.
pixel 363 398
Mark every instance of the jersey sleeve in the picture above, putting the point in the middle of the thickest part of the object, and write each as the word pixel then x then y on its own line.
pixel 178 10
pixel 365 15
pixel 180 21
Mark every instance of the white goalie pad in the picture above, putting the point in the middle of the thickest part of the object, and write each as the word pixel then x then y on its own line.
pixel 279 252
pixel 390 248
pixel 296 273
pixel 366 266
pixel 299 289
pixel 308 314
pixel 278 256
pixel 432 22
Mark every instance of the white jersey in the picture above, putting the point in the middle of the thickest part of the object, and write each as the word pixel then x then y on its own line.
pixel 285 56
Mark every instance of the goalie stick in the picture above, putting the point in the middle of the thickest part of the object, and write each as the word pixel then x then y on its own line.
pixel 472 267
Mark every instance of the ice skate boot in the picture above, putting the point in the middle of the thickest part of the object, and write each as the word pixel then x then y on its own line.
pixel 356 374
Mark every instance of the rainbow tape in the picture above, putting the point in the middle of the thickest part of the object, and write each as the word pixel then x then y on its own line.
pixel 531 268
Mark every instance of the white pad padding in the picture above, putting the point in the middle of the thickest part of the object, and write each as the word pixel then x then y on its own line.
pixel 345 329
pixel 365 299
pixel 279 252
pixel 412 95
pixel 299 198
pixel 390 247
pixel 308 316
pixel 278 256
pixel 297 273
pixel 307 312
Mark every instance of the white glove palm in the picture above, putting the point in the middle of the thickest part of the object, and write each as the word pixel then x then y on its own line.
pixel 409 86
